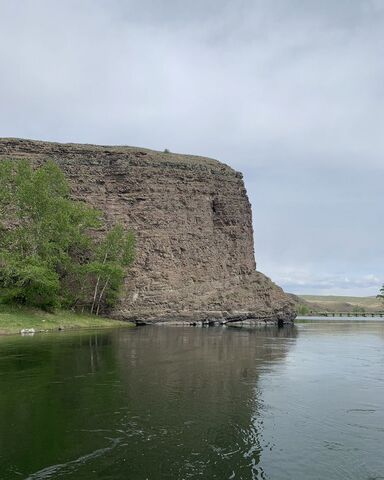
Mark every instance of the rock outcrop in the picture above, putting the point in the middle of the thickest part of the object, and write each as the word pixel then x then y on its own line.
pixel 192 218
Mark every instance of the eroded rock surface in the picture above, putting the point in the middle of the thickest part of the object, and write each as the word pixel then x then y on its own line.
pixel 192 218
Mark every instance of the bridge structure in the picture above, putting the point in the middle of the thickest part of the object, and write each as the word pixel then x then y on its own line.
pixel 345 314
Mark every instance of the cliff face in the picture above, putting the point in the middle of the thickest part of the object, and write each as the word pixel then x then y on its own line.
pixel 192 218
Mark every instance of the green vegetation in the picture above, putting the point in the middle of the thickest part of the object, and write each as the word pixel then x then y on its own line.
pixel 111 257
pixel 381 294
pixel 357 309
pixel 303 309
pixel 14 318
pixel 49 257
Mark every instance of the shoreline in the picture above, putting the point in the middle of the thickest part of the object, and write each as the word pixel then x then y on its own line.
pixel 17 320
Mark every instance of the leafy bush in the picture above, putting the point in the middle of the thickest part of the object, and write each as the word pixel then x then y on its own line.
pixel 303 310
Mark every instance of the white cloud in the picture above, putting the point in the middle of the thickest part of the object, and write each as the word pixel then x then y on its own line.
pixel 308 282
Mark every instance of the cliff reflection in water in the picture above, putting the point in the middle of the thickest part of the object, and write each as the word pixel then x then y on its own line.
pixel 152 402
pixel 195 398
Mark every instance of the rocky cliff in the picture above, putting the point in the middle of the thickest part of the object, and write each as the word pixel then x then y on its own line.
pixel 192 218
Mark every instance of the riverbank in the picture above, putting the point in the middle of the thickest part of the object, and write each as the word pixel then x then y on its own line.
pixel 315 304
pixel 13 319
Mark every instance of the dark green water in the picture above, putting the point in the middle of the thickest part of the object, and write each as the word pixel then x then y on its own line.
pixel 159 403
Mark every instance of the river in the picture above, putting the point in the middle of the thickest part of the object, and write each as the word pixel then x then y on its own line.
pixel 297 403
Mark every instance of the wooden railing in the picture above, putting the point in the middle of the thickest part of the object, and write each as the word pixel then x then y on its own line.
pixel 342 314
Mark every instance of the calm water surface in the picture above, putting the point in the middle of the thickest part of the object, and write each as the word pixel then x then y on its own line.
pixel 158 403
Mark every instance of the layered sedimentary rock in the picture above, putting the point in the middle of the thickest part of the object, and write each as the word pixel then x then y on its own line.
pixel 193 224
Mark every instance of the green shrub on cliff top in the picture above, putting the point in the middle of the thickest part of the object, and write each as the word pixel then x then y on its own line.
pixel 46 250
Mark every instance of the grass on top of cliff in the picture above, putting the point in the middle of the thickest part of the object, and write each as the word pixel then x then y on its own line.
pixel 15 318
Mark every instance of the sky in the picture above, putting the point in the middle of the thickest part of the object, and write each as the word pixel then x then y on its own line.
pixel 289 92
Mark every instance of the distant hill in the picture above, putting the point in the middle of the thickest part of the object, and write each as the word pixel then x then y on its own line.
pixel 333 303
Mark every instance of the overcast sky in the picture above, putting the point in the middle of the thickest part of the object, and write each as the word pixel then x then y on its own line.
pixel 290 92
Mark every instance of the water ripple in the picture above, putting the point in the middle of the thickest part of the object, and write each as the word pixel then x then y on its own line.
pixel 63 468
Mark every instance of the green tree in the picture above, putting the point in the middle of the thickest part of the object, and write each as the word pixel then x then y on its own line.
pixel 112 256
pixel 46 249
pixel 381 294
pixel 303 310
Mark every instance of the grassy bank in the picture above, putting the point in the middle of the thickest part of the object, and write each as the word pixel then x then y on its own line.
pixel 332 303
pixel 14 318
